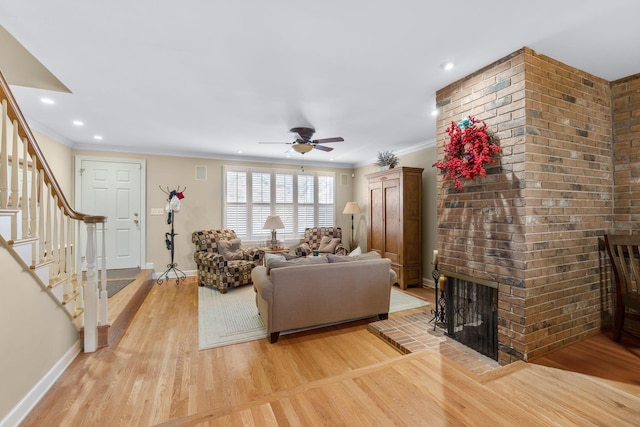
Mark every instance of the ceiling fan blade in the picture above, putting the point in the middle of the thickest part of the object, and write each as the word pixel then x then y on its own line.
pixel 325 140
pixel 322 148
pixel 296 136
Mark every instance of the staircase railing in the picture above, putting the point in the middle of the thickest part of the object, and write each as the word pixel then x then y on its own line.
pixel 42 217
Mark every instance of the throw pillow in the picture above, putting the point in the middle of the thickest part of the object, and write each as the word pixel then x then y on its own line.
pixel 356 251
pixel 328 244
pixel 299 261
pixel 368 255
pixel 269 258
pixel 230 249
pixel 304 249
pixel 339 258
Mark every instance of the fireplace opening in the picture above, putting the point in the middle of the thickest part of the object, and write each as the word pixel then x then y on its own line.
pixel 471 312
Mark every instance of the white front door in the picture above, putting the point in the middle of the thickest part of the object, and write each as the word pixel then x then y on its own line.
pixel 113 189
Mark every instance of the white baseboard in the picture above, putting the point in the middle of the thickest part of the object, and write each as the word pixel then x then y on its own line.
pixel 149 266
pixel 22 409
pixel 427 283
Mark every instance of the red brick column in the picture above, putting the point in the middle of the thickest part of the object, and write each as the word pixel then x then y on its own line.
pixel 532 224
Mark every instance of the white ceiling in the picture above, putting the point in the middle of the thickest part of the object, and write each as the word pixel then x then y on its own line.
pixel 209 78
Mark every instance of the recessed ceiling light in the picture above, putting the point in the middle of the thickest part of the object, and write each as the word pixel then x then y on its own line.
pixel 331 160
pixel 448 65
pixel 434 113
pixel 48 101
pixel 98 137
pixel 78 123
pixel 239 151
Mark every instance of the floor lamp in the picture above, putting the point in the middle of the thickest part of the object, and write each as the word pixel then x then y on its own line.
pixel 352 208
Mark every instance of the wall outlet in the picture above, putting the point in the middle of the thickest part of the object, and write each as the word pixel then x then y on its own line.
pixel 157 211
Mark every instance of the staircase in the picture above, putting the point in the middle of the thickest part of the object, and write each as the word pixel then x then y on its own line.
pixel 40 229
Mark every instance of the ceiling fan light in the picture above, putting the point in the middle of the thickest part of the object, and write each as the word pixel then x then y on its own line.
pixel 302 148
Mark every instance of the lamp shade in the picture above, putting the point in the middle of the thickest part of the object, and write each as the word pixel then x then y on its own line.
pixel 352 208
pixel 302 148
pixel 273 222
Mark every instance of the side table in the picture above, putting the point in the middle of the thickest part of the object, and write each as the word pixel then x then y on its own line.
pixel 279 251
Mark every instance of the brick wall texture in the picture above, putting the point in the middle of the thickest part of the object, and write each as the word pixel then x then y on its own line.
pixel 534 223
pixel 626 146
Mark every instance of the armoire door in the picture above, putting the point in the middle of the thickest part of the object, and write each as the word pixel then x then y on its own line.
pixel 392 218
pixel 376 216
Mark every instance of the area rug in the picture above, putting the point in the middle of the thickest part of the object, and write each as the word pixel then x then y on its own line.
pixel 233 318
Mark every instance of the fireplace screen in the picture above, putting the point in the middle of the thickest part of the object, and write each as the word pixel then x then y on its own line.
pixel 472 313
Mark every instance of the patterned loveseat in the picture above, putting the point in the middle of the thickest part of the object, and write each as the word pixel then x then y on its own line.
pixel 213 269
pixel 313 238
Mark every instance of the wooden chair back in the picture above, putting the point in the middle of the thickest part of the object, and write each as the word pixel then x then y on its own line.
pixel 624 253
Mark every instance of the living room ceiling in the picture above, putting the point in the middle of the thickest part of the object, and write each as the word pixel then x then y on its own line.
pixel 212 78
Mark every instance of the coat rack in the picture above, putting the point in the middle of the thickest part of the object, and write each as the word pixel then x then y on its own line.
pixel 173 206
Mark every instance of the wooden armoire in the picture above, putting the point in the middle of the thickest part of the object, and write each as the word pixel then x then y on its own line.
pixel 395 221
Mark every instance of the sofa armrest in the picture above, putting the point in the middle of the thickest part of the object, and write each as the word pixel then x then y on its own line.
pixel 262 283
pixel 209 259
pixel 254 254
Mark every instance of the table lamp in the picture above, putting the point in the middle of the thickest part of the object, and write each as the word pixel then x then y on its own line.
pixel 273 223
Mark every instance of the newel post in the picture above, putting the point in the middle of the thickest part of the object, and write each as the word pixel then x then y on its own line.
pixel 91 309
pixel 91 292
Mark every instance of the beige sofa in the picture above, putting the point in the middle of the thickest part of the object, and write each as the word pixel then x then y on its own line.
pixel 303 296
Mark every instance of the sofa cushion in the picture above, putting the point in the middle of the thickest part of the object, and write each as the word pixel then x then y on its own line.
pixel 328 244
pixel 299 261
pixel 230 249
pixel 356 251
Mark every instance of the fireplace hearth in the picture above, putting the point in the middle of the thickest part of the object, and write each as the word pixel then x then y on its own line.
pixel 471 312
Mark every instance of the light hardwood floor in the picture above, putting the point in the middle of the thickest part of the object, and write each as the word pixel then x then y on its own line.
pixel 342 375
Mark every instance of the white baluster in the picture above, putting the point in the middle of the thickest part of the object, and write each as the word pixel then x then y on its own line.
pixel 41 216
pixel 25 189
pixel 33 211
pixel 4 159
pixel 55 238
pixel 48 229
pixel 33 201
pixel 15 167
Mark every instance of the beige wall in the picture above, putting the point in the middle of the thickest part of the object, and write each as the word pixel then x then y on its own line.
pixel 202 205
pixel 35 333
pixel 419 159
pixel 60 160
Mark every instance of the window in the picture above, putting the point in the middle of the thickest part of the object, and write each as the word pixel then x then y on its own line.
pixel 301 199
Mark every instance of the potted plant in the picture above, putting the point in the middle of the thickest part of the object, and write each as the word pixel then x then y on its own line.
pixel 387 160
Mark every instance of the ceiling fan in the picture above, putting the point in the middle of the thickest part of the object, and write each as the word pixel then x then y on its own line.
pixel 303 142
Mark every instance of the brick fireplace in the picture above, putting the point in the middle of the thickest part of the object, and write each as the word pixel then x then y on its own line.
pixel 533 224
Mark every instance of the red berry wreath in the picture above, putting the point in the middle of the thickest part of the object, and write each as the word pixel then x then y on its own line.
pixel 468 149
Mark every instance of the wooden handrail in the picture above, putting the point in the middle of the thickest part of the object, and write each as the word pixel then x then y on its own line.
pixel 14 113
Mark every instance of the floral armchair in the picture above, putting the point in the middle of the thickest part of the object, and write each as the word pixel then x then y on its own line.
pixel 221 262
pixel 322 239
